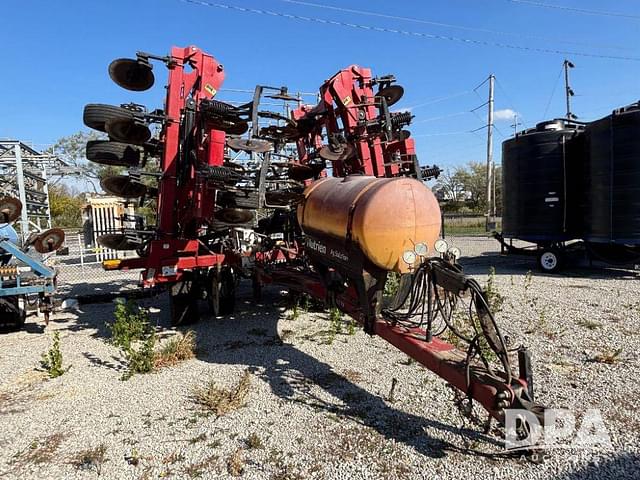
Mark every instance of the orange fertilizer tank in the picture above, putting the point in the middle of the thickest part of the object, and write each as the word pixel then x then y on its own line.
pixel 385 217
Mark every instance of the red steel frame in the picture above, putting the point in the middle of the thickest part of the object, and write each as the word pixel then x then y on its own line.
pixel 348 96
pixel 185 209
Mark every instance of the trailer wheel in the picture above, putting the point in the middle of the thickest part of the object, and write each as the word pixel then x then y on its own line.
pixel 97 115
pixel 550 260
pixel 184 302
pixel 221 292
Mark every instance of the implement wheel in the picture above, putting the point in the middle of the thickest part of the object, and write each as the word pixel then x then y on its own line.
pixel 113 153
pixel 221 292
pixel 183 299
pixel 97 115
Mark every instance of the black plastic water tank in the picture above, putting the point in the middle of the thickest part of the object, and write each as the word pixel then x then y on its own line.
pixel 542 182
pixel 612 178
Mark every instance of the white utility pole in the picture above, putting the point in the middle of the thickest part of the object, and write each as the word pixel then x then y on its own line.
pixel 490 189
pixel 515 124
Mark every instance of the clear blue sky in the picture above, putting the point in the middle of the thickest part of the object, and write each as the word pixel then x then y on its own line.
pixel 55 57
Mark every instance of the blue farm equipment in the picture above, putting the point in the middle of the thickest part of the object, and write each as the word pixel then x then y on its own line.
pixel 24 280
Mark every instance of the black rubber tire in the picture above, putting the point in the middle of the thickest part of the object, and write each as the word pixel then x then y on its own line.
pixel 550 260
pixel 12 317
pixel 225 301
pixel 256 288
pixel 128 130
pixel 183 300
pixel 105 152
pixel 96 115
pixel 238 199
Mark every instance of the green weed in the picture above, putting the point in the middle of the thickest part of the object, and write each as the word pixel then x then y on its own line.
pixel 52 359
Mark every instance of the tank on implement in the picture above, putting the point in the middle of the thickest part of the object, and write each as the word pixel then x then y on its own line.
pixel 384 217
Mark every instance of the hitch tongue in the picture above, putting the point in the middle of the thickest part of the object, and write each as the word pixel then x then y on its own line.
pixel 525 372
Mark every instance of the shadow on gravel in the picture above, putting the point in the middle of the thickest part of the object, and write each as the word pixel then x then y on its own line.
pixel 250 337
pixel 87 288
pixel 115 363
pixel 620 467
pixel 94 316
pixel 521 264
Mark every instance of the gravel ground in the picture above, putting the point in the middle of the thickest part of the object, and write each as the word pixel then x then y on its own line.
pixel 319 410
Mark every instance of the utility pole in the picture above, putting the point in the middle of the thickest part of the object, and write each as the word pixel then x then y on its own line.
pixel 490 223
pixel 515 124
pixel 568 90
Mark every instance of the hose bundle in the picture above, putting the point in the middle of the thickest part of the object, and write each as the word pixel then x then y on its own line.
pixel 431 298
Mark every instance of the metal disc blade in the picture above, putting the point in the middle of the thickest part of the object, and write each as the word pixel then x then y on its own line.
pixel 249 145
pixel 49 241
pixel 117 241
pixel 10 209
pixel 283 197
pixel 301 172
pixel 345 152
pixel 279 133
pixel 234 215
pixel 131 74
pixel 392 94
pixel 404 134
pixel 230 126
pixel 128 130
pixel 123 186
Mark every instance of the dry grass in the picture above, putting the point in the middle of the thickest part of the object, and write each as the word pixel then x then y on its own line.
pixel 174 457
pixel 221 400
pixel 178 348
pixel 91 458
pixel 352 375
pixel 235 463
pixel 254 441
pixel 40 451
pixel 609 357
pixel 197 470
pixel 200 438
pixel 589 324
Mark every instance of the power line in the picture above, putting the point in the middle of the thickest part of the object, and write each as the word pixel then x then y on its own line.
pixel 553 92
pixel 460 132
pixel 510 100
pixel 583 11
pixel 481 84
pixel 408 33
pixel 441 117
pixel 447 25
pixel 439 99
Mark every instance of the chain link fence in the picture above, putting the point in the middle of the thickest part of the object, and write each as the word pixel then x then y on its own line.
pixel 80 271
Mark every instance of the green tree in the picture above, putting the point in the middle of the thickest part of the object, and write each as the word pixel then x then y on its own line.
pixel 449 185
pixel 72 149
pixel 465 188
pixel 66 206
pixel 473 178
